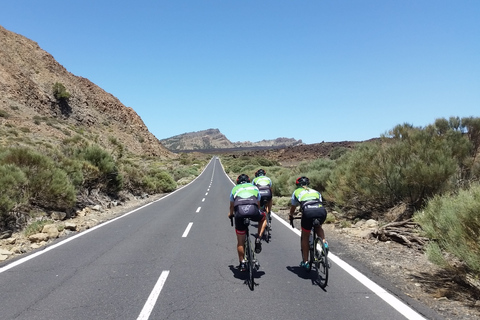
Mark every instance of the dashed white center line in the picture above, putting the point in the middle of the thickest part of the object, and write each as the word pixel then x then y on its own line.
pixel 206 193
pixel 198 210
pixel 203 199
pixel 148 307
pixel 185 233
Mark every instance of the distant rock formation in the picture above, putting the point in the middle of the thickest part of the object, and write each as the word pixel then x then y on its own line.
pixel 213 139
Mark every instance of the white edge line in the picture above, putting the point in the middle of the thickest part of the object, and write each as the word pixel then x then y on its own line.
pixel 38 253
pixel 152 298
pixel 187 230
pixel 397 304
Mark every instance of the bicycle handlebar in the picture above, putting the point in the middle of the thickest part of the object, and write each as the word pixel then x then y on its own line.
pixel 293 218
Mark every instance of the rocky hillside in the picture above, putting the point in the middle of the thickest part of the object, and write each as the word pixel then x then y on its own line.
pixel 214 139
pixel 31 112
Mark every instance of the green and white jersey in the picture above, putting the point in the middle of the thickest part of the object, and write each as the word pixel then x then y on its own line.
pixel 262 181
pixel 301 195
pixel 244 191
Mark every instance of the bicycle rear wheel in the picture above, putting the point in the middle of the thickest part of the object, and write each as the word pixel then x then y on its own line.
pixel 321 263
pixel 250 263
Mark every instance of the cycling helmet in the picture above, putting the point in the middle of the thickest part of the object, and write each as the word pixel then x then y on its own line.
pixel 302 181
pixel 243 178
pixel 260 172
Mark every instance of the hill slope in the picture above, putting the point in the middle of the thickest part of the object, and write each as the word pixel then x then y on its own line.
pixel 30 112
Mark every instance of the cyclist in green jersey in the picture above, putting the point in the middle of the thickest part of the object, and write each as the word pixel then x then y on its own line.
pixel 264 184
pixel 245 203
pixel 311 207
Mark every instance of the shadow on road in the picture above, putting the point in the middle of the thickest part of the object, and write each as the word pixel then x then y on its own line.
pixel 305 274
pixel 242 275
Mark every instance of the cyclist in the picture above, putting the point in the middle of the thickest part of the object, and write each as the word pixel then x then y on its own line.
pixel 264 184
pixel 310 202
pixel 245 203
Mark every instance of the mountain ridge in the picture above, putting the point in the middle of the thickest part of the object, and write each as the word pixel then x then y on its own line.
pixel 210 139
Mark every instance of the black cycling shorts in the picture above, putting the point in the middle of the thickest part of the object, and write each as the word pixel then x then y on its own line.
pixel 266 195
pixel 246 211
pixel 310 212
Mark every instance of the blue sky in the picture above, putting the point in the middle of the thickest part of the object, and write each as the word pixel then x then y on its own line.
pixel 316 70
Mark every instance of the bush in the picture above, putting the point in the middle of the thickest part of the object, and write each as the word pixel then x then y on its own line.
pixel 48 186
pixel 410 166
pixel 60 92
pixel 157 181
pixel 453 223
pixel 184 172
pixel 13 183
pixel 36 227
pixel 337 152
pixel 133 177
pixel 317 171
pixel 101 170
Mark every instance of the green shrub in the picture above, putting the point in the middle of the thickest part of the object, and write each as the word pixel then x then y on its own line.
pixel 410 166
pixel 60 92
pixel 101 170
pixel 453 223
pixel 48 185
pixel 13 183
pixel 36 227
pixel 157 181
pixel 184 172
pixel 337 152
pixel 318 172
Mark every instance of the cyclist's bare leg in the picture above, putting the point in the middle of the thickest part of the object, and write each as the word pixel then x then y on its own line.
pixel 269 205
pixel 262 224
pixel 320 232
pixel 241 246
pixel 304 244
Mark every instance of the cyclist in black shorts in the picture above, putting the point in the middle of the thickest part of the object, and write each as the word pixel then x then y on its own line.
pixel 264 184
pixel 311 207
pixel 245 203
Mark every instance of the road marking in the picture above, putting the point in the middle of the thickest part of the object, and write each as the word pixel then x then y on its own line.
pixel 152 299
pixel 397 304
pixel 198 210
pixel 203 199
pixel 185 233
pixel 206 193
pixel 38 253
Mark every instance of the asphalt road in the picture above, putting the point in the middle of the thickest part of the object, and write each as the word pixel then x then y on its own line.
pixel 176 259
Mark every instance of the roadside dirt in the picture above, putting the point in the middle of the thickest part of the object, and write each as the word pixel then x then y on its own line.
pixel 408 269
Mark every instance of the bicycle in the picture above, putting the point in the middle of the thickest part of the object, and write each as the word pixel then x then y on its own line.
pixel 267 234
pixel 251 262
pixel 318 255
